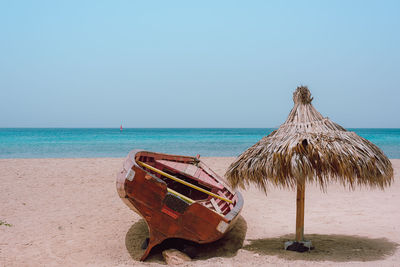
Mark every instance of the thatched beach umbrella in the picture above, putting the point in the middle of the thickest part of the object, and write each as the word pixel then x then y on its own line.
pixel 310 148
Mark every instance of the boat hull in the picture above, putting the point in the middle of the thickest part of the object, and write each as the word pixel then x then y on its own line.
pixel 167 215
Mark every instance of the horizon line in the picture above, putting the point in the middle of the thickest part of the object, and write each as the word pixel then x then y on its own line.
pixel 61 127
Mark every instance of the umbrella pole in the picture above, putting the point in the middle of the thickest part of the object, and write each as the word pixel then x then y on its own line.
pixel 299 244
pixel 300 210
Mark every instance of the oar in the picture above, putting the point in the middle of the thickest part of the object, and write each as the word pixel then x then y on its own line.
pixel 183 182
pixel 180 195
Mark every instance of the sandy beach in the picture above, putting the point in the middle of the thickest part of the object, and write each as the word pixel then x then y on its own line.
pixel 67 212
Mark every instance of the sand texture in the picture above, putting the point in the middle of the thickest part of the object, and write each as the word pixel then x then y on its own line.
pixel 67 212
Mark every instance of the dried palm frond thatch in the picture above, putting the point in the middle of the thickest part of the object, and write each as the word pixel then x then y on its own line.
pixel 311 147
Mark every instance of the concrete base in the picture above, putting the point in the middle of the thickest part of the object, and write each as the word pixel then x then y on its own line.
pixel 301 246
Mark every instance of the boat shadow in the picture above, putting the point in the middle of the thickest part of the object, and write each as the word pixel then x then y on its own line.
pixel 336 248
pixel 227 246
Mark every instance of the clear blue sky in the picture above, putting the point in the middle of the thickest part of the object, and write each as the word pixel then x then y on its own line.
pixel 197 63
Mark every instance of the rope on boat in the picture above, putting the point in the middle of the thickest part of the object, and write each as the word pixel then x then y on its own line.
pixel 183 182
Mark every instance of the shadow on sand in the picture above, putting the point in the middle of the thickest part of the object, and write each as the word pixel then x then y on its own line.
pixel 225 247
pixel 337 248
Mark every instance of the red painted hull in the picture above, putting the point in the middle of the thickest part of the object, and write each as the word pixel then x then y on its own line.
pixel 203 220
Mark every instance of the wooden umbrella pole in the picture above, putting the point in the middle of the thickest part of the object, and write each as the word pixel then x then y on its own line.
pixel 300 210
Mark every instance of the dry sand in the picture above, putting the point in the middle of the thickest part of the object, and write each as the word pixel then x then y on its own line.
pixel 67 212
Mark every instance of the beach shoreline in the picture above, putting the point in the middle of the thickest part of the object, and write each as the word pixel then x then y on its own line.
pixel 66 211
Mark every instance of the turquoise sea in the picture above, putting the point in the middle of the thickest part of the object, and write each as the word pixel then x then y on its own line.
pixel 109 142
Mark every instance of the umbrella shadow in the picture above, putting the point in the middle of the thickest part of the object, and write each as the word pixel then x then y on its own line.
pixel 227 246
pixel 337 248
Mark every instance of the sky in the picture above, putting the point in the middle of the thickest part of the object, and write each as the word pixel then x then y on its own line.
pixel 197 63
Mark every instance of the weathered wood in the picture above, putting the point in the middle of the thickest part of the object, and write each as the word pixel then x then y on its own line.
pixel 169 215
pixel 300 210
pixel 182 182
pixel 196 173
pixel 215 205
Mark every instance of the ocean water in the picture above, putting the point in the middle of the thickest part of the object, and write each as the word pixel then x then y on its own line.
pixel 108 142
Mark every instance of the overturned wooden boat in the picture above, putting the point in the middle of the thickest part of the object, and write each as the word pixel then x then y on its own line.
pixel 178 196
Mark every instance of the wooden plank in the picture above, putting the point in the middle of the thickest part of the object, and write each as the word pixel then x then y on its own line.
pixel 215 205
pixel 191 170
pixel 300 210
pixel 199 175
pixel 198 172
pixel 182 181
pixel 222 194
pixel 170 212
